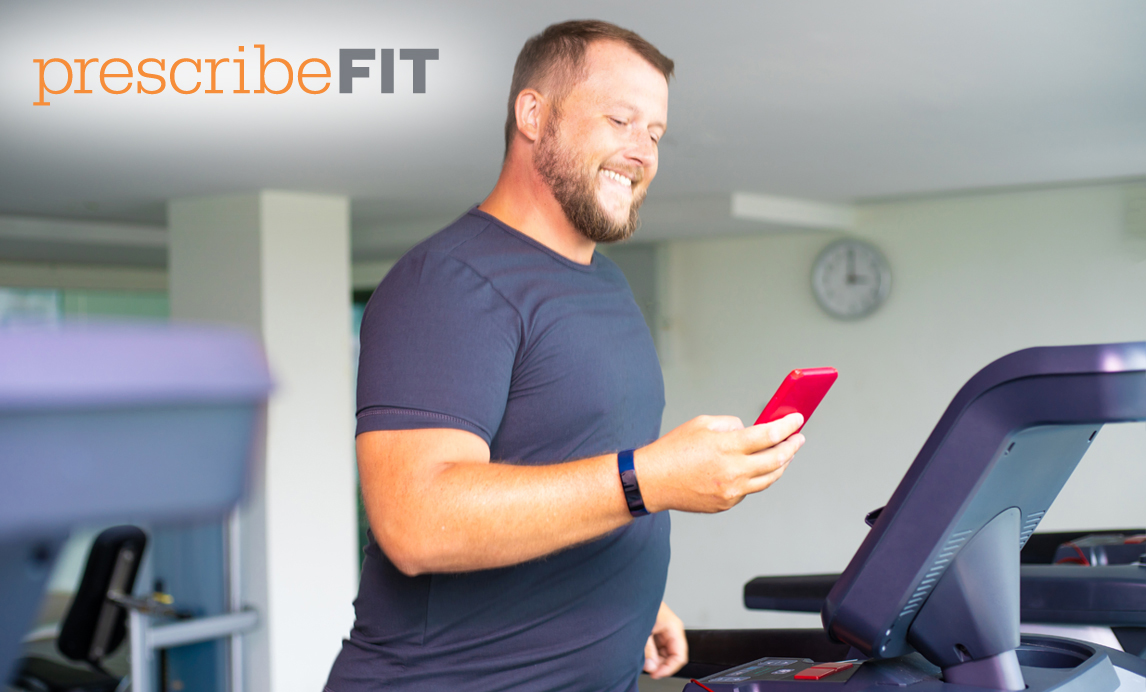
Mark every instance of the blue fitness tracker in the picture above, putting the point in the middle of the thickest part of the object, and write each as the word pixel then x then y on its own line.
pixel 629 483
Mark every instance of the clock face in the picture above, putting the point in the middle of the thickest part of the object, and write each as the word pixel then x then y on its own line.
pixel 851 278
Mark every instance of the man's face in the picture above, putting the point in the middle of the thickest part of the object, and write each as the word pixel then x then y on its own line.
pixel 599 154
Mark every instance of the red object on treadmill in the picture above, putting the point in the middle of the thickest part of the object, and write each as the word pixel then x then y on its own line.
pixel 800 392
pixel 822 670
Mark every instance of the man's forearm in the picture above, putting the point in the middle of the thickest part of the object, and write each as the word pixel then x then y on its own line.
pixel 455 516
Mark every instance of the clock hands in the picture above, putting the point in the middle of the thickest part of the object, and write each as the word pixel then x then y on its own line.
pixel 853 278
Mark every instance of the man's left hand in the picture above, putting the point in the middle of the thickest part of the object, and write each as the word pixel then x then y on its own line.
pixel 667 650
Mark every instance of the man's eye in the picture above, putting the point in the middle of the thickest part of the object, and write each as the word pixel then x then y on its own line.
pixel 618 122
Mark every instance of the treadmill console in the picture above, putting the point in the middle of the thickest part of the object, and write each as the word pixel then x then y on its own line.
pixel 935 584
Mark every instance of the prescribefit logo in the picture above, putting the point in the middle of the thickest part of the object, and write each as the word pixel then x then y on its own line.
pixel 191 75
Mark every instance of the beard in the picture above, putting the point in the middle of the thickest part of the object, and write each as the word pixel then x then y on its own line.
pixel 575 189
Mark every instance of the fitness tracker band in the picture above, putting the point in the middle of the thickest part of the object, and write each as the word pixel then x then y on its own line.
pixel 629 483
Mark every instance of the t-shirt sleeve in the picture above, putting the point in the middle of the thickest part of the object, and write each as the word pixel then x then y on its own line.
pixel 438 344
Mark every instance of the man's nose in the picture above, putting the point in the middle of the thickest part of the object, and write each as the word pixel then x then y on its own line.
pixel 644 150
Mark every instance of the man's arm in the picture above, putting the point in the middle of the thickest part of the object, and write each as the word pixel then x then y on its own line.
pixel 437 504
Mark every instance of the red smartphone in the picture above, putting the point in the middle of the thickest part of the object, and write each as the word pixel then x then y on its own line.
pixel 800 392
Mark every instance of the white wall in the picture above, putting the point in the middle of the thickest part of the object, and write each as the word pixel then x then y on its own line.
pixel 974 277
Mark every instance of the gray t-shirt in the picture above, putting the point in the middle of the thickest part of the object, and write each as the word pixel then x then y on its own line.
pixel 481 328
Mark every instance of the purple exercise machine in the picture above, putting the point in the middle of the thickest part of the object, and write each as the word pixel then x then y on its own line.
pixel 106 423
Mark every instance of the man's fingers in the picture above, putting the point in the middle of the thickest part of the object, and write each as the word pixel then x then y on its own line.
pixel 759 483
pixel 670 643
pixel 765 435
pixel 672 664
pixel 652 656
pixel 782 429
pixel 673 651
pixel 775 457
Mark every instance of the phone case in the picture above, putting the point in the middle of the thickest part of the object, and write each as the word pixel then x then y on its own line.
pixel 800 392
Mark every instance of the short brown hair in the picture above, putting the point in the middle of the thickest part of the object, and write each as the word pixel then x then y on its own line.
pixel 555 58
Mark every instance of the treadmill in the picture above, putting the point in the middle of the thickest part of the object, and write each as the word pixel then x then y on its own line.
pixel 931 599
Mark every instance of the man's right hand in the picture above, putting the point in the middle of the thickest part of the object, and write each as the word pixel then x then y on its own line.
pixel 711 463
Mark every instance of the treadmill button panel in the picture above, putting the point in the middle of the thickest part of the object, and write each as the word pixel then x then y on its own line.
pixel 766 670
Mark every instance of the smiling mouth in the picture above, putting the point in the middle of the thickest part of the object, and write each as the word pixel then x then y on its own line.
pixel 613 175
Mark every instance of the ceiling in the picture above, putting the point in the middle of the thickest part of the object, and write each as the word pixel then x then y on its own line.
pixel 830 100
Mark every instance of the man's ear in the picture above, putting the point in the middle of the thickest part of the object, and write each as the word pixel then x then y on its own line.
pixel 530 108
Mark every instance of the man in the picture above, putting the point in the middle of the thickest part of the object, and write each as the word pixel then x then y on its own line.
pixel 506 378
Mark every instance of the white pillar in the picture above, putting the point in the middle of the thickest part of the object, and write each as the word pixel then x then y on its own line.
pixel 278 263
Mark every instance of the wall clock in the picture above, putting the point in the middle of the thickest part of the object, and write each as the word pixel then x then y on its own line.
pixel 851 278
